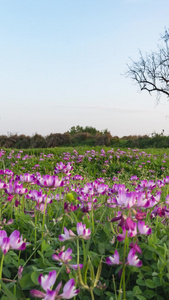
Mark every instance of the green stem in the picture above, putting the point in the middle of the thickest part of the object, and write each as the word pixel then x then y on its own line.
pixel 92 217
pixel 23 267
pixel 123 272
pixel 124 284
pixel 23 203
pixel 79 271
pixel 3 166
pixel 77 251
pixel 92 295
pixel 19 257
pixel 35 237
pixel 28 259
pixel 128 277
pixel 14 290
pixel 114 287
pixel 112 229
pixel 63 223
pixel 12 207
pixel 60 270
pixel 100 220
pixel 43 223
pixel 84 253
pixel 1 266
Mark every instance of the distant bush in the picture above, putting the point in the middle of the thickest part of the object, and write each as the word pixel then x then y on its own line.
pixel 79 129
pixel 8 141
pixel 23 142
pixel 77 136
pixel 58 139
pixel 80 137
pixel 104 139
pixel 38 141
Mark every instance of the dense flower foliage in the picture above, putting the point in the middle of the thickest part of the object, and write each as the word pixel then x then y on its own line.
pixel 86 217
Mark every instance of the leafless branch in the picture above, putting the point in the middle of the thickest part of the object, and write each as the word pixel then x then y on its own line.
pixel 151 72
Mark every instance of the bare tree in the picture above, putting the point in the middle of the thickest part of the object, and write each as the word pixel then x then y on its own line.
pixel 151 72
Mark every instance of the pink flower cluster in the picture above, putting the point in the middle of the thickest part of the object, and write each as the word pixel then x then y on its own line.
pixel 132 229
pixel 81 231
pixel 132 258
pixel 48 281
pixel 14 241
pixel 64 257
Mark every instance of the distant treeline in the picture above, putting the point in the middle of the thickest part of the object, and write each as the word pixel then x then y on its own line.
pixel 79 136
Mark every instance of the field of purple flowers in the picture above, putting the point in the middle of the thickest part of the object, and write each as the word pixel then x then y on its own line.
pixel 84 224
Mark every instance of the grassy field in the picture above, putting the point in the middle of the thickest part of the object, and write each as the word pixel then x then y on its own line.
pixel 84 223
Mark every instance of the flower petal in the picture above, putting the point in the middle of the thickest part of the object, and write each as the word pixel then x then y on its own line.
pixel 48 280
pixel 69 290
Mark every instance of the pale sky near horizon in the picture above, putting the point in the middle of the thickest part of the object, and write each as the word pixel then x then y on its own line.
pixel 62 64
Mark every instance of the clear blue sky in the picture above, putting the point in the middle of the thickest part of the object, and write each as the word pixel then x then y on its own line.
pixel 61 65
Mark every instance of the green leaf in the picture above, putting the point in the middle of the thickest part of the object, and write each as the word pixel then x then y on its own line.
pixel 151 249
pixel 49 269
pixel 140 276
pixel 149 294
pixel 129 294
pixel 137 290
pixel 86 298
pixel 148 255
pixel 46 247
pixel 140 282
pixel 48 253
pixel 15 263
pixel 154 274
pixel 107 231
pixel 150 283
pixel 12 253
pixel 97 291
pixel 40 253
pixel 26 281
pixel 111 295
pixel 160 297
pixel 161 265
pixel 140 297
pixel 37 269
pixel 7 292
pixel 7 273
pixel 8 259
pixel 156 281
pixel 154 256
pixel 146 269
pixel 101 248
pixel 34 277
